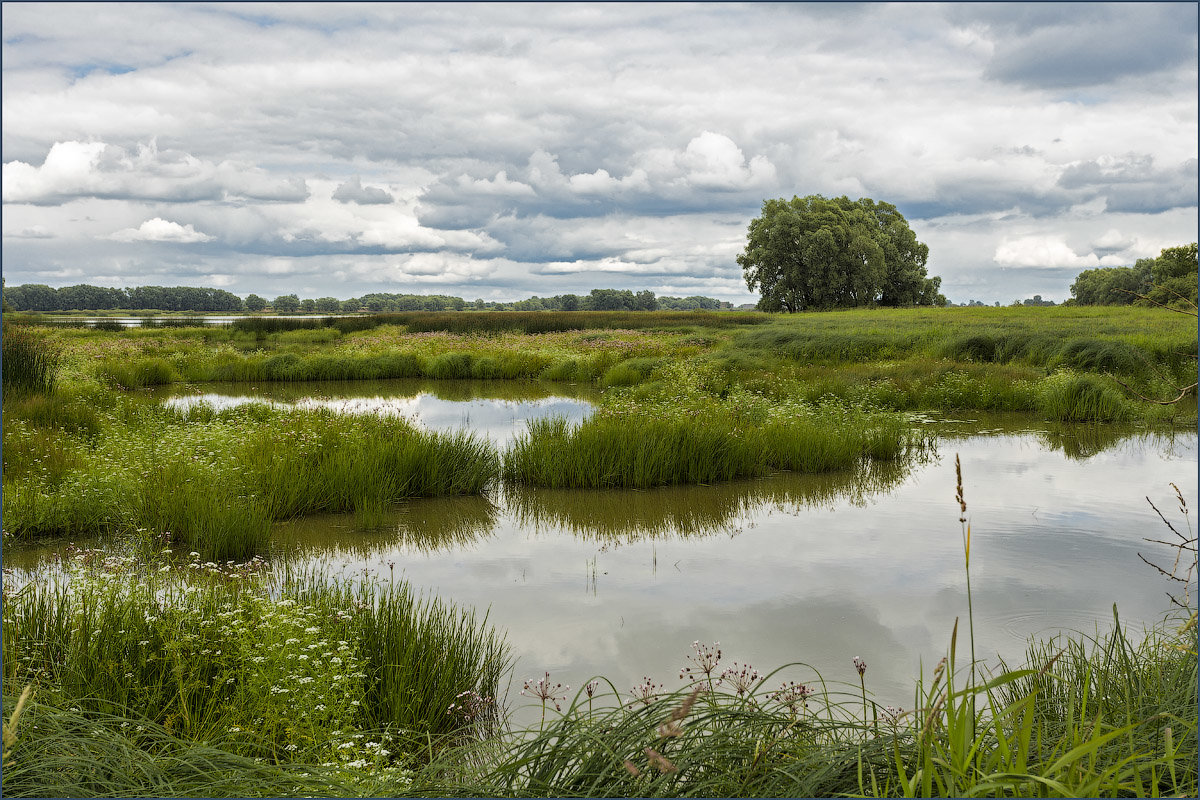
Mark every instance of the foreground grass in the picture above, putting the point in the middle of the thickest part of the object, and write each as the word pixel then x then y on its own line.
pixel 1088 717
pixel 1042 730
pixel 246 660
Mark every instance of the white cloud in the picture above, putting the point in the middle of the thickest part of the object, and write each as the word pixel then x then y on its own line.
pixel 713 161
pixel 1042 251
pixel 499 185
pixel 161 230
pixel 74 169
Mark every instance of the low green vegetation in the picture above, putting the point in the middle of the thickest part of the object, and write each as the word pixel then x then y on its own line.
pixel 1066 363
pixel 101 463
pixel 673 431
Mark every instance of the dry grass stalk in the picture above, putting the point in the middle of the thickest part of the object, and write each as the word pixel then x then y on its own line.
pixel 10 727
pixel 658 761
pixel 674 726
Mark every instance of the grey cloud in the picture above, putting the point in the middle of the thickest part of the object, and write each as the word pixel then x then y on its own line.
pixel 352 191
pixel 287 190
pixel 1133 183
pixel 710 173
pixel 451 110
pixel 1056 48
pixel 35 232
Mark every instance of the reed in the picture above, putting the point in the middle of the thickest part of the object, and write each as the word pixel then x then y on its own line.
pixel 29 361
pixel 654 445
pixel 216 481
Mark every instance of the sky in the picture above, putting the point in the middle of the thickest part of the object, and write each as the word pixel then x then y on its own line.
pixel 506 150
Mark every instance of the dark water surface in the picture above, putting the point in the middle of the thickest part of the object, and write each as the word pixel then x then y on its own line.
pixel 789 568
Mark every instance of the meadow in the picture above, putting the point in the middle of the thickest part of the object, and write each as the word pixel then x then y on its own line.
pixel 154 657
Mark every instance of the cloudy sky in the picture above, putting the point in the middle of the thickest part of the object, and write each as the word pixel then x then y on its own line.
pixel 504 150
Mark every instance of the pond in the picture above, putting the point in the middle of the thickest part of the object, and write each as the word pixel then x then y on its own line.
pixel 498 410
pixel 790 568
pixel 150 320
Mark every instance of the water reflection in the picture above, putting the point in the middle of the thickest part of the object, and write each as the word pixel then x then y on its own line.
pixel 616 516
pixel 807 568
pixel 1074 440
pixel 416 527
pixel 456 390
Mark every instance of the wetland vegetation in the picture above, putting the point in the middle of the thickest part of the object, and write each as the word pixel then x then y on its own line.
pixel 154 655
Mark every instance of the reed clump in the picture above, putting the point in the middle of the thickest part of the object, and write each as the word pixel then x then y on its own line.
pixel 215 481
pixel 675 432
pixel 30 361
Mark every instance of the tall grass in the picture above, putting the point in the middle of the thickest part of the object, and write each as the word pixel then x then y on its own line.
pixel 1042 730
pixel 262 663
pixel 29 361
pixel 214 482
pixel 657 446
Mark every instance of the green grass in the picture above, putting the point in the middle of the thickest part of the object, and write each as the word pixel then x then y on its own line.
pixel 1041 730
pixel 905 359
pixel 257 662
pixel 63 753
pixel 675 432
pixel 29 361
pixel 214 482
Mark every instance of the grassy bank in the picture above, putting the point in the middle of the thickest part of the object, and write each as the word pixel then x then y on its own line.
pixel 675 432
pixel 1059 363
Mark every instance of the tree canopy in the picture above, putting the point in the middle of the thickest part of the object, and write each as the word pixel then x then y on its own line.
pixel 1167 280
pixel 39 297
pixel 818 253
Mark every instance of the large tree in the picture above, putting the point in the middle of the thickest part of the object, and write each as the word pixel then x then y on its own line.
pixel 814 253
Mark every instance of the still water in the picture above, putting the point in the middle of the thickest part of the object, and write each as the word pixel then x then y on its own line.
pixel 498 410
pixel 789 568
pixel 792 568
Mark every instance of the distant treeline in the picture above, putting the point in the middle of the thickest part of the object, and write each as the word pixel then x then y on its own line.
pixel 1169 280
pixel 39 297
